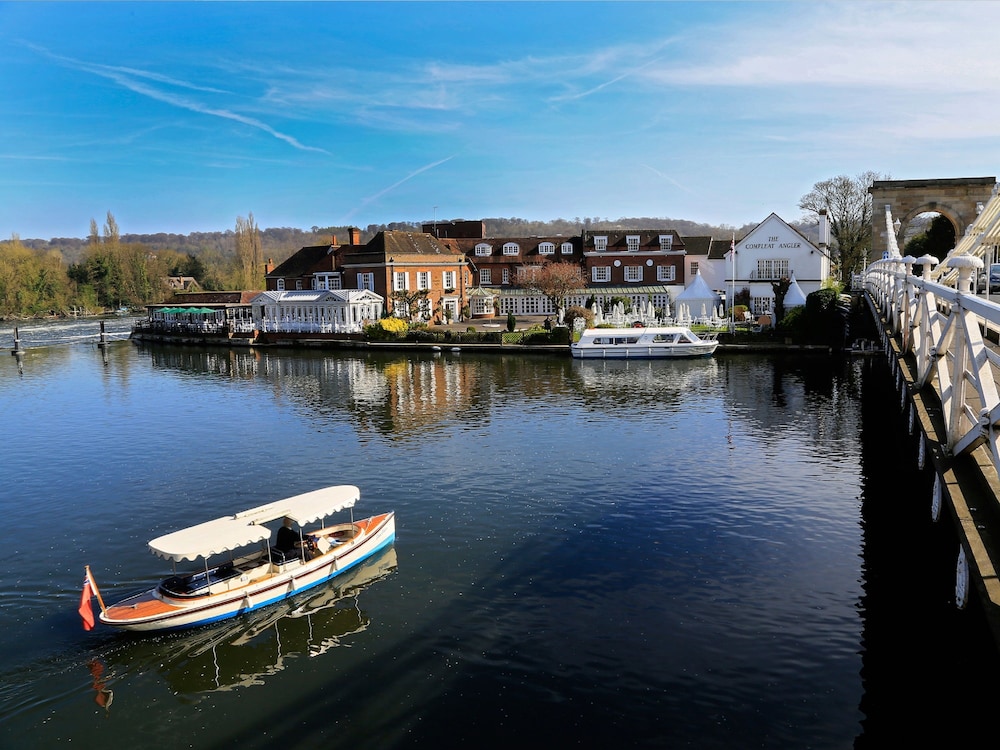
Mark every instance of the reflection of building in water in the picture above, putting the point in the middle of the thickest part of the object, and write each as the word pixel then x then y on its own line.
pixel 614 384
pixel 794 395
pixel 387 393
pixel 248 650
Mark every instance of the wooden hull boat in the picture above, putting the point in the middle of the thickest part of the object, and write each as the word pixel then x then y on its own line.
pixel 252 578
pixel 643 343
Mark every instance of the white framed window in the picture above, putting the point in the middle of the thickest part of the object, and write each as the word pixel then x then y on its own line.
pixel 485 275
pixel 632 243
pixel 298 283
pixel 366 281
pixel 546 248
pixel 694 268
pixel 425 307
pixel 400 281
pixel 511 248
pixel 423 280
pixel 600 244
pixel 484 248
pixel 448 279
pixel 666 273
pixel 281 285
pixel 633 273
pixel 600 274
pixel 666 242
pixel 772 268
pixel 527 274
pixel 505 276
pixel 566 248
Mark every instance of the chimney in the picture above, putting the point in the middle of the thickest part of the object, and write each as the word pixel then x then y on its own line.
pixel 333 240
pixel 355 235
pixel 824 229
pixel 269 266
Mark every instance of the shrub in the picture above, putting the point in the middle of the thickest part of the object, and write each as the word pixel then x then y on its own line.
pixel 395 326
pixel 578 312
pixel 386 328
pixel 511 322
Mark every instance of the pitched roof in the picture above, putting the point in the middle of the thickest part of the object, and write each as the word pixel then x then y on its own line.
pixel 302 262
pixel 719 248
pixel 697 245
pixel 213 298
pixel 395 242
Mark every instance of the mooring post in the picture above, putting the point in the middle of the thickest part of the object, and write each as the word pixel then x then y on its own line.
pixel 102 342
pixel 17 343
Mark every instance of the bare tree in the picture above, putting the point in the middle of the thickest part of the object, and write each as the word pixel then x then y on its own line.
pixel 848 205
pixel 411 302
pixel 555 281
pixel 249 254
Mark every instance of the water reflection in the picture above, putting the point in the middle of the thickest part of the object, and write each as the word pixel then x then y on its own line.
pixel 613 383
pixel 247 651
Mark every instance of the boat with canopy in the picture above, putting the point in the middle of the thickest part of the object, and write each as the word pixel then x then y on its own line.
pixel 658 342
pixel 242 570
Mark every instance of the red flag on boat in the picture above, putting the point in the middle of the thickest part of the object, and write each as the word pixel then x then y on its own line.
pixel 86 613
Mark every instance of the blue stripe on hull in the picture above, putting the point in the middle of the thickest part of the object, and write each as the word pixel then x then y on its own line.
pixel 288 595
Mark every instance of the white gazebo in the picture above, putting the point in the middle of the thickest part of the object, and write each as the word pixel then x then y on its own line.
pixel 697 299
pixel 316 310
pixel 794 297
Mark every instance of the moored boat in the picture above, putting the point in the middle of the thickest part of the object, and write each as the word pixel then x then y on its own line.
pixel 658 342
pixel 242 570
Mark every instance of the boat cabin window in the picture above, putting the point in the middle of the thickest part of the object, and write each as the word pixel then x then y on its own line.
pixel 665 338
pixel 614 340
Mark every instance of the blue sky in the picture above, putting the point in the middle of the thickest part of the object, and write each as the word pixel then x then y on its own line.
pixel 180 117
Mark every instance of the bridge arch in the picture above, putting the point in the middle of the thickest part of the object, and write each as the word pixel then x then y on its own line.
pixel 957 199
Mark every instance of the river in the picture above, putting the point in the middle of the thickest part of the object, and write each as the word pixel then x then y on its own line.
pixel 731 552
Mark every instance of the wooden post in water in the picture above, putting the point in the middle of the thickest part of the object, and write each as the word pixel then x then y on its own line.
pixel 17 343
pixel 103 342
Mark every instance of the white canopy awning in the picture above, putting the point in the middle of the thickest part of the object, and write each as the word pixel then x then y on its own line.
pixel 305 508
pixel 209 538
pixel 246 527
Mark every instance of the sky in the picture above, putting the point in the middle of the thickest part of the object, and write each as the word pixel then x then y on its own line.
pixel 182 117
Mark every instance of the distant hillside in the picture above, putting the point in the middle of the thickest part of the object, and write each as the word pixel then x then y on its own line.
pixel 279 243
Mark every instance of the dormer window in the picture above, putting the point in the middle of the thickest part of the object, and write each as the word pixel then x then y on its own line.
pixel 546 248
pixel 600 244
pixel 511 248
pixel 666 242
pixel 567 248
pixel 484 248
pixel 632 243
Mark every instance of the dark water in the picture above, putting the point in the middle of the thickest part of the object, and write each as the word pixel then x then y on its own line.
pixel 726 553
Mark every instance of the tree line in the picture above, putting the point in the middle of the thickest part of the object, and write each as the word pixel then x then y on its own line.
pixel 110 269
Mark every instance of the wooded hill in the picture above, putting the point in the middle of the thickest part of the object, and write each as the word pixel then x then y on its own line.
pixel 278 243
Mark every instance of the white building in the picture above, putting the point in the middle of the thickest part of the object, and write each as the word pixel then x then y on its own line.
pixel 316 310
pixel 771 251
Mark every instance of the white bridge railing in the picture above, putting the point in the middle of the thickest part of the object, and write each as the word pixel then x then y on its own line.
pixel 942 327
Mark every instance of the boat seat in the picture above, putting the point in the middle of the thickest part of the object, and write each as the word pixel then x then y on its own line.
pixel 277 556
pixel 196 583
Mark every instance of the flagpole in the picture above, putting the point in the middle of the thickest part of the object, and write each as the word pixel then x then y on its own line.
pixel 97 591
pixel 732 301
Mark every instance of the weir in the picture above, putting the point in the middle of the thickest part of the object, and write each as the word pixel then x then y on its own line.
pixel 940 340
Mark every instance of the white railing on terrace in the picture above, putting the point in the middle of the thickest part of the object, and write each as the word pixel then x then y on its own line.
pixel 942 328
